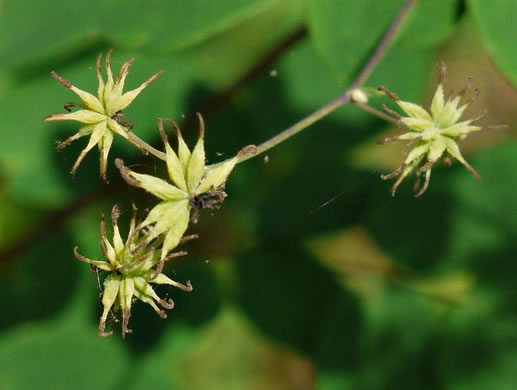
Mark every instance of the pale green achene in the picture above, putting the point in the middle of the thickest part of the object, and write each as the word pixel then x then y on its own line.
pixel 194 185
pixel 132 266
pixel 102 114
pixel 433 136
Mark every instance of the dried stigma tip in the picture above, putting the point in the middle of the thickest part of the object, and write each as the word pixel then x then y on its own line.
pixel 443 72
pixel 391 95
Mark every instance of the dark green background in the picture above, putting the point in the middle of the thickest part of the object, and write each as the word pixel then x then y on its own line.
pixel 290 292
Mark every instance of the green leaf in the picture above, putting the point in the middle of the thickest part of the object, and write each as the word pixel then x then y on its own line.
pixel 299 303
pixel 422 232
pixel 432 22
pixel 56 356
pixel 228 353
pixel 484 221
pixel 16 220
pixel 158 25
pixel 496 21
pixel 160 368
pixel 65 351
pixel 337 27
pixel 409 82
pixel 173 25
pixel 50 29
pixel 478 347
pixel 498 373
pixel 39 280
pixel 346 33
pixel 398 343
pixel 240 47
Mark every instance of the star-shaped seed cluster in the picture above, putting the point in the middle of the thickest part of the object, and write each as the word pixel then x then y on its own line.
pixel 433 135
pixel 131 266
pixel 103 114
pixel 193 185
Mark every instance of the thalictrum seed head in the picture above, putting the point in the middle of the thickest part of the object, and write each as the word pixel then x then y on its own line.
pixel 193 185
pixel 433 136
pixel 102 114
pixel 132 266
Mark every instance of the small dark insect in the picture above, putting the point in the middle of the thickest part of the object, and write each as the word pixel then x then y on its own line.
pixel 122 120
pixel 210 200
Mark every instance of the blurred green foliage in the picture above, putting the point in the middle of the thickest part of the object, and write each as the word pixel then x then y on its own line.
pixel 400 293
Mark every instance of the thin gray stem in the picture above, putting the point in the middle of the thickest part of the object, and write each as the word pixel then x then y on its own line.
pixel 370 66
pixel 297 127
pixel 381 50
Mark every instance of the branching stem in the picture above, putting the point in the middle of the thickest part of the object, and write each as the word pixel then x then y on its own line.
pixel 388 38
pixel 299 126
pixel 345 98
pixel 370 66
